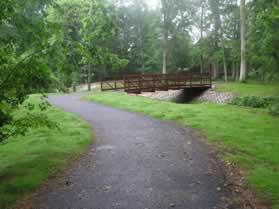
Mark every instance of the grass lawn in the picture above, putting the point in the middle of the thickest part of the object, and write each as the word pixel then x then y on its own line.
pixel 250 88
pixel 27 161
pixel 250 136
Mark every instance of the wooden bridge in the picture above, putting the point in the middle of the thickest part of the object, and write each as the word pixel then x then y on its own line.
pixel 139 83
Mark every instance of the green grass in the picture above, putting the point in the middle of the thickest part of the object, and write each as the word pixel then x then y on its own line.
pixel 250 137
pixel 250 88
pixel 27 161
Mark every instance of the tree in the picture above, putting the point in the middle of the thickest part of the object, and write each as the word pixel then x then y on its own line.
pixel 167 18
pixel 202 5
pixel 176 18
pixel 214 6
pixel 97 28
pixel 137 37
pixel 263 41
pixel 243 66
pixel 68 15
pixel 24 43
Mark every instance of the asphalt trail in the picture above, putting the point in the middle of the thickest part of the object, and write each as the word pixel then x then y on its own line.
pixel 136 162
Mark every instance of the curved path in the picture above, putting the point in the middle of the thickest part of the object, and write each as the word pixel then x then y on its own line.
pixel 136 163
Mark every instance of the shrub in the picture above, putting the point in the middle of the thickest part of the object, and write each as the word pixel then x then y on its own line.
pixel 32 115
pixel 255 101
pixel 274 110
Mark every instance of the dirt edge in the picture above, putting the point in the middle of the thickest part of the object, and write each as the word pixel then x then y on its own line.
pixel 238 192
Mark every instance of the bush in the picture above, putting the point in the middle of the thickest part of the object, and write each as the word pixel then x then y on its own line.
pixel 32 115
pixel 255 101
pixel 274 110
pixel 272 103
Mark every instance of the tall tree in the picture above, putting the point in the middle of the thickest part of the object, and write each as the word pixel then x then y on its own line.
pixel 176 18
pixel 243 70
pixel 167 22
pixel 137 37
pixel 97 28
pixel 202 5
pixel 68 15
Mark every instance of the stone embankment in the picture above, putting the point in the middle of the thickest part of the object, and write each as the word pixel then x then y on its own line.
pixel 184 96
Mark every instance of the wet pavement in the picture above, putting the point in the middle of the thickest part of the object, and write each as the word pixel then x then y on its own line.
pixel 136 162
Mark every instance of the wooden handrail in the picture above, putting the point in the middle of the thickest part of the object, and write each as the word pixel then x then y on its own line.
pixel 153 82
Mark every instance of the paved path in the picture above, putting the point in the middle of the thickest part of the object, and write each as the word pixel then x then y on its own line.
pixel 136 163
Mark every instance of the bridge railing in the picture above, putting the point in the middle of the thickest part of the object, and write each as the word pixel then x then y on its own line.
pixel 112 83
pixel 138 83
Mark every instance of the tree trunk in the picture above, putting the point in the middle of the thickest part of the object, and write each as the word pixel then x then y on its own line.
pixel 225 63
pixel 166 36
pixel 74 81
pixel 225 66
pixel 233 71
pixel 201 40
pixel 165 52
pixel 201 64
pixel 89 77
pixel 74 87
pixel 165 55
pixel 141 34
pixel 142 60
pixel 237 72
pixel 243 70
pixel 142 56
pixel 215 70
pixel 224 56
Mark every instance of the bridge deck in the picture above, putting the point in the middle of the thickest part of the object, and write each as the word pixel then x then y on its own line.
pixel 152 82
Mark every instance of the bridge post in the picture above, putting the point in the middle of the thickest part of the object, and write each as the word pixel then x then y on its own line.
pixel 153 82
pixel 101 81
pixel 125 82
pixel 167 81
pixel 140 79
pixel 191 79
pixel 175 80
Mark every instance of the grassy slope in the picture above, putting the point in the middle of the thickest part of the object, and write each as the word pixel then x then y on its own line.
pixel 250 136
pixel 251 88
pixel 27 161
